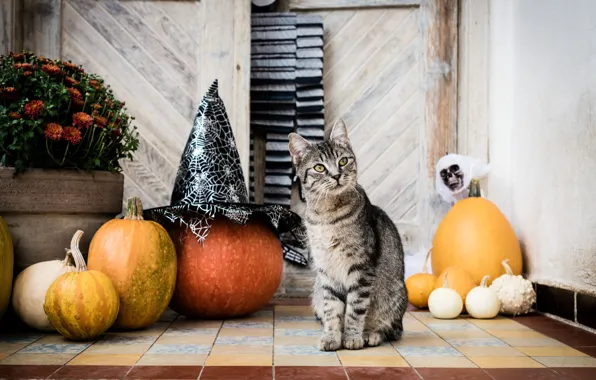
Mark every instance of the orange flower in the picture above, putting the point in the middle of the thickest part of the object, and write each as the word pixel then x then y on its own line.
pixel 17 57
pixel 72 135
pixel 79 103
pixel 82 120
pixel 95 84
pixel 100 121
pixel 28 73
pixel 71 81
pixel 24 66
pixel 96 106
pixel 14 115
pixel 74 93
pixel 8 92
pixel 34 108
pixel 70 65
pixel 53 131
pixel 51 69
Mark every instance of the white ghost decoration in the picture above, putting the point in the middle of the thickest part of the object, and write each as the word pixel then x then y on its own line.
pixel 454 174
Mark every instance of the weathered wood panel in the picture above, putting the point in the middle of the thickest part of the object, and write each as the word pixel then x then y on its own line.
pixel 41 23
pixel 344 4
pixel 10 27
pixel 390 73
pixel 160 57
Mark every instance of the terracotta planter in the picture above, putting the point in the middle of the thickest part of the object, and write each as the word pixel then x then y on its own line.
pixel 44 208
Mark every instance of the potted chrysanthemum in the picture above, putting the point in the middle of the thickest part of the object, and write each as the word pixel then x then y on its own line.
pixel 62 138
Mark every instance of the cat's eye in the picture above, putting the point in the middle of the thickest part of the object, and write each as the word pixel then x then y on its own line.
pixel 319 168
pixel 343 162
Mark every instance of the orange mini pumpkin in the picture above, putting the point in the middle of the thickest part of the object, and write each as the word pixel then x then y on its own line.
pixel 420 285
pixel 459 280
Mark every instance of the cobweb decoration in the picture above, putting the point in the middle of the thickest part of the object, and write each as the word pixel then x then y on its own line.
pixel 210 182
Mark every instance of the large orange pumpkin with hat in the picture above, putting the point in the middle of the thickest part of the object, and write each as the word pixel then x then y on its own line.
pixel 229 254
pixel 235 272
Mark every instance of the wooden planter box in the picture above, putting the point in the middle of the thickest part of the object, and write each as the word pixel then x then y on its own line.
pixel 44 208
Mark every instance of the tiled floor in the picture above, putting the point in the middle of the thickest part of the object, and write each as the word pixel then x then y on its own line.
pixel 279 343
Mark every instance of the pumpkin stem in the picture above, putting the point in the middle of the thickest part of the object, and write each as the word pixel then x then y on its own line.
pixel 484 280
pixel 507 267
pixel 68 258
pixel 475 191
pixel 134 209
pixel 74 250
pixel 445 283
pixel 425 265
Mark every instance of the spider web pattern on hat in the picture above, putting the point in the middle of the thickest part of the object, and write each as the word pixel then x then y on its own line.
pixel 210 182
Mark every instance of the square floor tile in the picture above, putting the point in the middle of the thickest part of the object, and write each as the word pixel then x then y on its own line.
pixel 576 373
pixel 237 373
pixel 453 374
pixel 373 361
pixel 49 348
pixel 186 339
pixel 124 339
pixel 298 325
pixel 523 374
pixel 155 329
pixel 239 360
pixel 427 351
pixel 381 373
pixel 173 359
pixel 550 351
pixel 11 348
pixel 476 342
pixel 90 372
pixel 297 332
pixel 490 351
pixel 38 359
pixel 505 362
pixel 164 372
pixel 420 341
pixel 301 350
pixel 515 334
pixel 310 373
pixel 440 362
pixel 306 360
pixel 463 334
pixel 490 325
pixel 532 342
pixel 566 361
pixel 180 349
pixel 259 331
pixel 118 349
pixel 297 340
pixel 415 325
pixel 244 340
pixel 27 371
pixel 385 349
pixel 242 349
pixel 293 311
pixel 186 331
pixel 105 359
pixel 20 338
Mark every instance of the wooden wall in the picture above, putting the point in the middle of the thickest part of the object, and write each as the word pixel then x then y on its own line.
pixel 158 56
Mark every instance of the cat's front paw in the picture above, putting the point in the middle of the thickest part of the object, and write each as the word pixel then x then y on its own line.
pixel 329 343
pixel 353 342
pixel 372 339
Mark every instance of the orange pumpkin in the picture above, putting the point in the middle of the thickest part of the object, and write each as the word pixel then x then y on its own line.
pixel 81 304
pixel 235 272
pixel 478 237
pixel 140 258
pixel 459 280
pixel 420 285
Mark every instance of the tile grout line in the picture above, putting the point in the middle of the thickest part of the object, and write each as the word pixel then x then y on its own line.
pixel 211 349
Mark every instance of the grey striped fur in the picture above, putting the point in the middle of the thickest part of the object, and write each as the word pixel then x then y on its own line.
pixel 359 292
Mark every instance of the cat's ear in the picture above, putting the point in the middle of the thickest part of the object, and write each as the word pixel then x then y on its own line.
pixel 298 147
pixel 339 133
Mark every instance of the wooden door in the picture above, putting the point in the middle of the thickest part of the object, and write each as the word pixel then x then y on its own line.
pixel 390 72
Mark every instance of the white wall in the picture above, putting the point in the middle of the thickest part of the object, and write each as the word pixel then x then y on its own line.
pixel 542 133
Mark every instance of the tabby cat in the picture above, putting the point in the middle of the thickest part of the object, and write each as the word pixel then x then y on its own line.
pixel 359 292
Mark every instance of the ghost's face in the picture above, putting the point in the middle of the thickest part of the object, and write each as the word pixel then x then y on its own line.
pixel 453 177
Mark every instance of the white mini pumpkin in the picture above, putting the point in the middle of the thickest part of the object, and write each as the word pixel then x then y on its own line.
pixel 445 303
pixel 30 288
pixel 516 294
pixel 482 302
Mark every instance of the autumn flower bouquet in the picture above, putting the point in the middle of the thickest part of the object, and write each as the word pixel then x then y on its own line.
pixel 55 115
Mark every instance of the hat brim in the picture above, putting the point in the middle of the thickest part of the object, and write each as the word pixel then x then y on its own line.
pixel 286 224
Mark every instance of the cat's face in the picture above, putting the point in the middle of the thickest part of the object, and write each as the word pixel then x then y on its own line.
pixel 327 168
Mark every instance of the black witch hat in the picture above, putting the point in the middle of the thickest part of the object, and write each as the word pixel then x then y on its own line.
pixel 210 183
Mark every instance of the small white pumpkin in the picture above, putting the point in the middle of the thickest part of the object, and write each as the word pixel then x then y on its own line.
pixel 30 288
pixel 515 292
pixel 445 303
pixel 482 302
